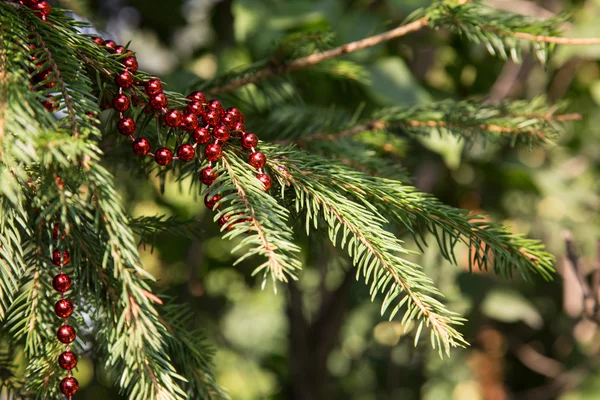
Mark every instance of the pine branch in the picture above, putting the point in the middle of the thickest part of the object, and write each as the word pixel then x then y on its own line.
pixel 375 251
pixel 490 245
pixel 257 216
pixel 527 122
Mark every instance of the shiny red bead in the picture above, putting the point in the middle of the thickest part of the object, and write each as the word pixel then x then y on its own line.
pixel 110 45
pixel 158 101
pixel 163 156
pixel 210 202
pixel 61 283
pixel 195 107
pixel 124 79
pixel 173 118
pixel 66 334
pixel 119 50
pixel 212 117
pixel 121 102
pixel 131 64
pixel 229 120
pixel 186 152
pixel 249 141
pixel 153 87
pixel 141 146
pixel 208 176
pixel 43 7
pixel 239 129
pixel 98 40
pixel 223 221
pixel 50 105
pixel 67 360
pixel 221 133
pixel 189 122
pixel 237 114
pixel 257 159
pixel 69 386
pixel 60 258
pixel 265 180
pixel 213 152
pixel 197 96
pixel 202 135
pixel 63 308
pixel 217 106
pixel 126 126
pixel 56 232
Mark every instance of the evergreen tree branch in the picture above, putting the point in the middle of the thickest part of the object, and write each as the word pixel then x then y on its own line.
pixel 518 121
pixel 375 251
pixel 257 215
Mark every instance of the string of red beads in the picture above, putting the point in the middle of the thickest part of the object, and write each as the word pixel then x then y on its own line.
pixel 207 124
pixel 62 282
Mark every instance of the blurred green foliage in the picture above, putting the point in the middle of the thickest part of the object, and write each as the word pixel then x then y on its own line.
pixel 543 192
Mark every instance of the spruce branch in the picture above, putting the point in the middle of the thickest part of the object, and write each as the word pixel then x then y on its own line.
pixel 259 217
pixel 527 122
pixel 374 251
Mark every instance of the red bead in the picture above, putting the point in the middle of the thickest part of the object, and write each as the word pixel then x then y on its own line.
pixel 212 117
pixel 63 308
pixel 210 202
pixel 189 122
pixel 197 96
pixel 126 126
pixel 67 360
pixel 239 129
pixel 213 151
pixel 60 258
pixel 119 50
pixel 42 76
pixel 121 102
pixel 237 114
pixel 229 120
pixel 217 106
pixel 141 146
pixel 186 152
pixel 265 180
pixel 49 105
pixel 223 221
pixel 131 64
pixel 158 101
pixel 66 334
pixel 69 386
pixel 195 107
pixel 61 283
pixel 110 45
pixel 208 176
pixel 56 232
pixel 153 87
pixel 257 159
pixel 249 141
pixel 43 7
pixel 202 135
pixel 173 118
pixel 163 156
pixel 98 40
pixel 124 79
pixel 221 133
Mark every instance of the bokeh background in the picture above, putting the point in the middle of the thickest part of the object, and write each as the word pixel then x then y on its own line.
pixel 322 338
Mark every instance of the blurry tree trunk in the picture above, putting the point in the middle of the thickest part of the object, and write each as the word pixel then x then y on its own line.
pixel 311 342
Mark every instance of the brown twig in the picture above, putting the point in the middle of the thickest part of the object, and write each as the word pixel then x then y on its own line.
pixel 556 39
pixel 317 58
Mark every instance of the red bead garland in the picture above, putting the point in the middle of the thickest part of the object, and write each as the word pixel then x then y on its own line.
pixel 207 122
pixel 60 258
